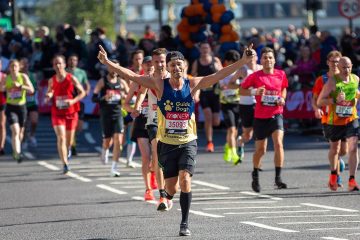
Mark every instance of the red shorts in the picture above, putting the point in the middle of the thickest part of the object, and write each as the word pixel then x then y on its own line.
pixel 70 121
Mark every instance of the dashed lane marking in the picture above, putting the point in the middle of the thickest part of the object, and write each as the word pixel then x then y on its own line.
pixel 259 207
pixel 78 177
pixel 110 189
pixel 210 185
pixel 270 227
pixel 231 202
pixel 204 214
pixel 49 166
pixel 310 216
pixel 325 222
pixel 328 229
pixel 89 138
pixel 261 195
pixel 329 207
pixel 334 238
pixel 300 211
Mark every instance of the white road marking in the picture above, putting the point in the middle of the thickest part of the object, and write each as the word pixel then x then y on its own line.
pixel 127 183
pixel 326 229
pixel 49 166
pixel 89 138
pixel 78 177
pixel 231 202
pixel 325 222
pixel 353 234
pixel 29 155
pixel 261 195
pixel 334 238
pixel 259 207
pixel 300 211
pixel 210 185
pixel 134 186
pixel 207 194
pixel 269 227
pixel 217 198
pixel 205 214
pixel 329 207
pixel 309 216
pixel 110 189
pixel 121 177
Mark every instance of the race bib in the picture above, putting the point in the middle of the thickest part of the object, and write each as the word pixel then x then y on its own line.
pixel 229 93
pixel 60 102
pixel 176 123
pixel 154 115
pixel 145 109
pixel 344 111
pixel 15 93
pixel 30 98
pixel 269 100
pixel 114 96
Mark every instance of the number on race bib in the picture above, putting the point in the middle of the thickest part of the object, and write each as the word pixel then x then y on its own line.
pixel 344 111
pixel 269 100
pixel 60 102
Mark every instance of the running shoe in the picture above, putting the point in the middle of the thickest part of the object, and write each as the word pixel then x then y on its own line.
pixel 227 153
pixel 210 147
pixel 153 182
pixel 279 183
pixel 162 205
pixel 341 164
pixel 115 173
pixel 33 142
pixel 353 186
pixel 130 164
pixel 66 169
pixel 240 152
pixel 339 181
pixel 235 159
pixel 333 182
pixel 17 157
pixel 148 196
pixel 184 230
pixel 169 204
pixel 255 183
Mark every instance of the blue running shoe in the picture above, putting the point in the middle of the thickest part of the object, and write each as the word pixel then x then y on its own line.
pixel 339 181
pixel 342 164
pixel 66 169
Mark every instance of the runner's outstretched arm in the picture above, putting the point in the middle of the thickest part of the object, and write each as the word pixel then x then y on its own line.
pixel 125 73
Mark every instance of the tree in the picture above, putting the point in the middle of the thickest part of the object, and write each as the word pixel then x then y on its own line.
pixel 82 14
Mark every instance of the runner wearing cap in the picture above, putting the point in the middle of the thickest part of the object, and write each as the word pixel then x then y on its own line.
pixel 177 146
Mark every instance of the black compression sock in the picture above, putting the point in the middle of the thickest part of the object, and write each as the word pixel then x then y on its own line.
pixel 255 173
pixel 185 201
pixel 162 193
pixel 351 177
pixel 334 172
pixel 277 172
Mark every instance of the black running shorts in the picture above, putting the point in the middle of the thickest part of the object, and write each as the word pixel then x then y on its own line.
pixel 263 128
pixel 173 158
pixel 208 99
pixel 16 114
pixel 139 129
pixel 111 125
pixel 231 113
pixel 247 115
pixel 335 133
pixel 152 131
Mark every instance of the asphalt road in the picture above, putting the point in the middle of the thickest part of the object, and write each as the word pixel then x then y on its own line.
pixel 38 202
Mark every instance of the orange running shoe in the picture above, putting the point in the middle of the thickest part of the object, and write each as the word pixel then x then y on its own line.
pixel 153 182
pixel 353 186
pixel 333 182
pixel 210 147
pixel 162 205
pixel 148 196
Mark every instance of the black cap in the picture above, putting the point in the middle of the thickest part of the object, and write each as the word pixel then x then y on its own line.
pixel 174 55
pixel 147 59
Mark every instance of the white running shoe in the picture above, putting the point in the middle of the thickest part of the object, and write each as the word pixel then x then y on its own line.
pixel 130 165
pixel 115 173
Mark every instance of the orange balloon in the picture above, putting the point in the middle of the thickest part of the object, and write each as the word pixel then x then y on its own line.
pixel 194 9
pixel 216 17
pixel 225 38
pixel 183 25
pixel 234 36
pixel 193 28
pixel 189 44
pixel 218 8
pixel 226 29
pixel 184 36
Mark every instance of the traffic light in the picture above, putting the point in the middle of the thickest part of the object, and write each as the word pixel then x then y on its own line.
pixel 4 5
pixel 158 4
pixel 313 5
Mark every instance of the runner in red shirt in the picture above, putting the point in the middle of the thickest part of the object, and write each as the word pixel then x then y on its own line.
pixel 269 87
pixel 65 106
